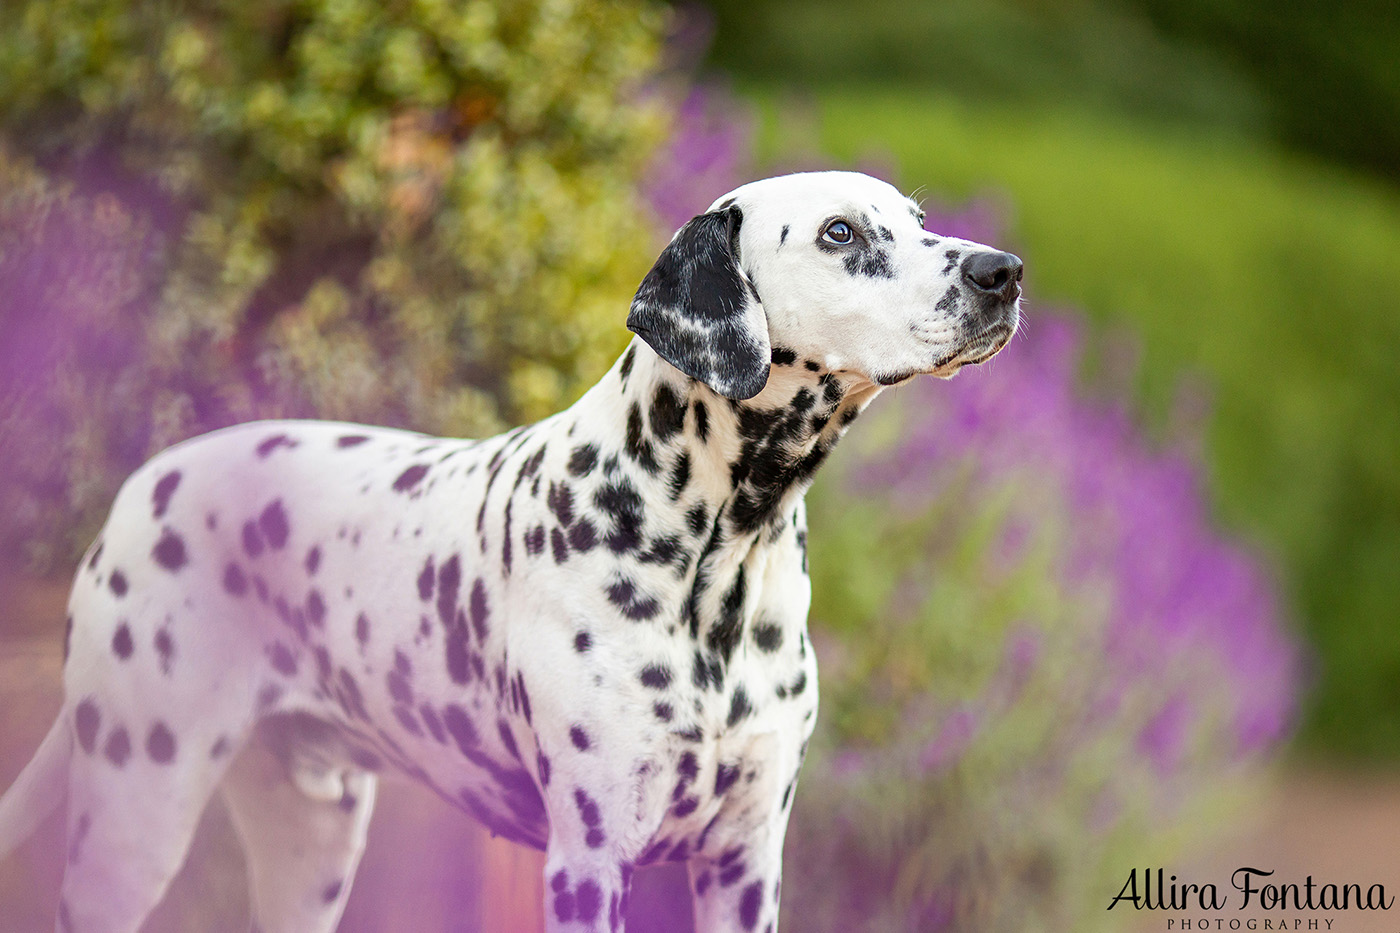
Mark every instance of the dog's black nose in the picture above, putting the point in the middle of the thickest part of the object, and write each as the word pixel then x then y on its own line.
pixel 994 273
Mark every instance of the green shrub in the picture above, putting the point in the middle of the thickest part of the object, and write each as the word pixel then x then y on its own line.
pixel 419 213
pixel 1090 52
pixel 1322 77
pixel 68 395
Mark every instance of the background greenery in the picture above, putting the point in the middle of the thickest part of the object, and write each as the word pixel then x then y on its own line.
pixel 1219 179
pixel 314 206
pixel 1310 74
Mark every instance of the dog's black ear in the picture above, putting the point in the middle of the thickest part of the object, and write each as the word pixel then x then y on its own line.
pixel 698 311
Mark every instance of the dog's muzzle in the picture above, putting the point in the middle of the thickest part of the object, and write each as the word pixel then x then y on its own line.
pixel 993 282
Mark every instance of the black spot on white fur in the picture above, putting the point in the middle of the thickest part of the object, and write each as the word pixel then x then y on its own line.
pixel 169 551
pixel 265 449
pixel 122 643
pixel 165 488
pixel 273 525
pixel 409 479
pixel 164 644
pixel 656 676
pixel 871 261
pixel 750 902
pixel 117 748
pixel 86 721
pixel 235 582
pixel 160 744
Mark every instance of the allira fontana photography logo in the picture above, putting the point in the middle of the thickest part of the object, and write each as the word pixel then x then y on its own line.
pixel 1270 903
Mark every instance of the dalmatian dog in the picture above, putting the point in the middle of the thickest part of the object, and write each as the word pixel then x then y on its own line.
pixel 589 632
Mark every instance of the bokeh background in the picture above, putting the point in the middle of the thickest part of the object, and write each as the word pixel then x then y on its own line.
pixel 1087 608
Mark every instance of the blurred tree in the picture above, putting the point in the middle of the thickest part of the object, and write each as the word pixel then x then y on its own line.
pixel 420 213
pixel 1330 70
pixel 1094 53
pixel 1320 76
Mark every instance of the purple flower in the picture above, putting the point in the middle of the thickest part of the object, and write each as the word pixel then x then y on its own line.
pixel 979 221
pixel 958 731
pixel 1164 738
pixel 1136 524
pixel 706 156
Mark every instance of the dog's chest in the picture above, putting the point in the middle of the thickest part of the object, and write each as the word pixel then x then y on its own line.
pixel 575 618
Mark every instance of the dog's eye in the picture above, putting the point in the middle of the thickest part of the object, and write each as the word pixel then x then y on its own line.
pixel 838 232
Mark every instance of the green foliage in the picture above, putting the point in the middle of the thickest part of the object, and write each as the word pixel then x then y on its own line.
pixel 1093 52
pixel 1318 75
pixel 1330 71
pixel 1271 277
pixel 421 213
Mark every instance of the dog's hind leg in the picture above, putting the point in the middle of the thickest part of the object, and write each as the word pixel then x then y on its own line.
pixel 303 829
pixel 135 796
pixel 38 790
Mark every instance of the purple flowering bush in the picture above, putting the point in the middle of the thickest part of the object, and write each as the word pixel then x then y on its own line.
pixel 1041 661
pixel 705 155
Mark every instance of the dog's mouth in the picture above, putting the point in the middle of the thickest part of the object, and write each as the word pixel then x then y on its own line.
pixel 978 349
pixel 988 344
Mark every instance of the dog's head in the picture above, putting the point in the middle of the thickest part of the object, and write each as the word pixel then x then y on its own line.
pixel 834 266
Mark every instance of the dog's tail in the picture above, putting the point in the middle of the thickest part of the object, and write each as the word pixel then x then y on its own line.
pixel 40 787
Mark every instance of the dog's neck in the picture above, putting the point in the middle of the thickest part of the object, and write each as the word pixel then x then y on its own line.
pixel 747 462
pixel 721 478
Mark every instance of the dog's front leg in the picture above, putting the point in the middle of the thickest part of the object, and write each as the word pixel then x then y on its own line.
pixel 738 889
pixel 594 830
pixel 585 889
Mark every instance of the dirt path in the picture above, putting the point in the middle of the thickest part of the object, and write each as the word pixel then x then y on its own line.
pixel 1338 828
